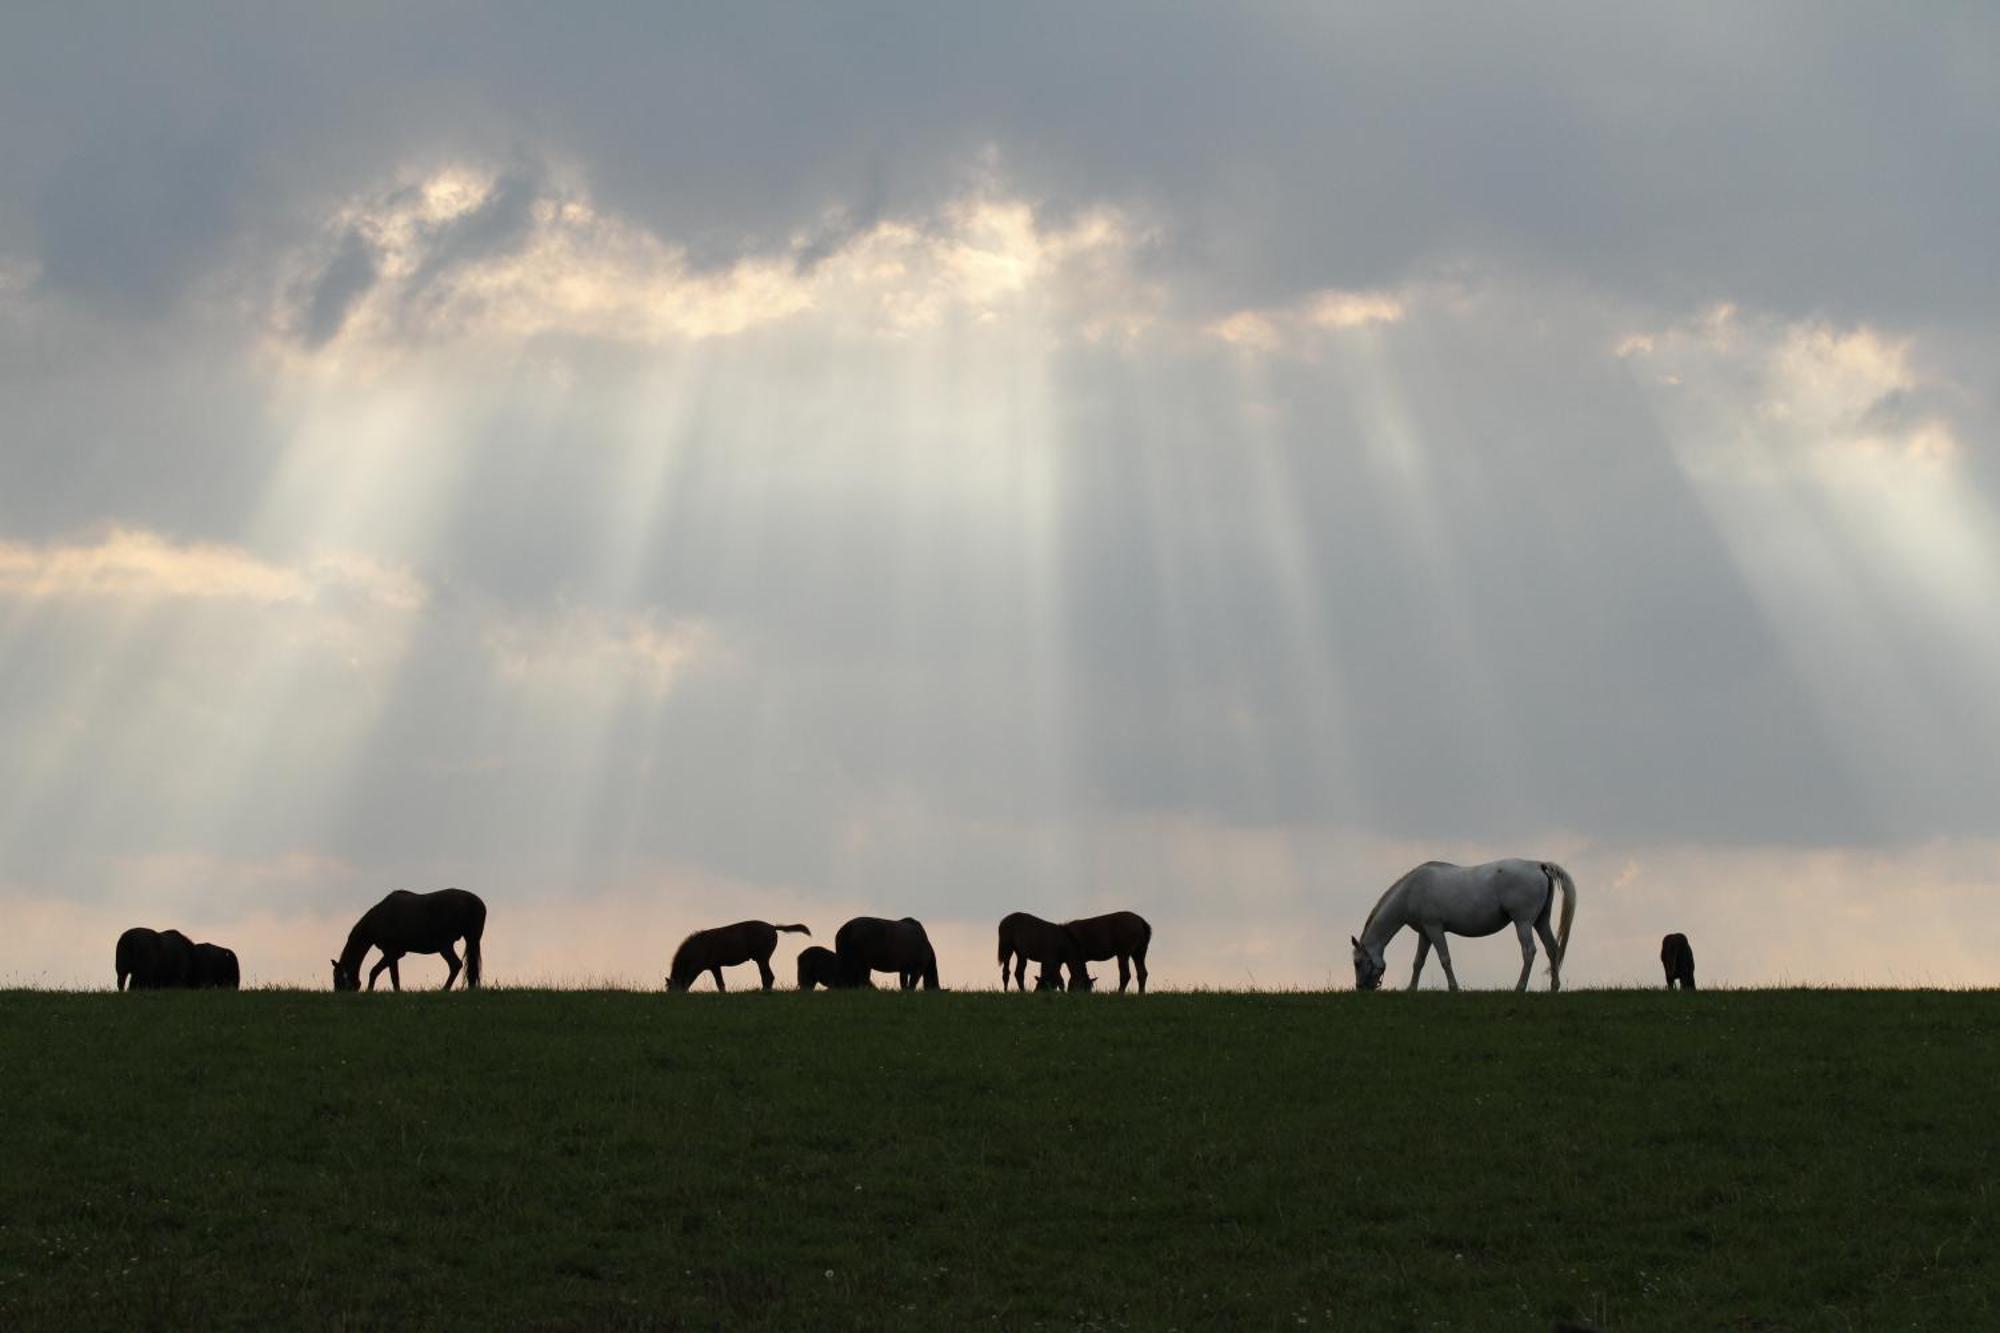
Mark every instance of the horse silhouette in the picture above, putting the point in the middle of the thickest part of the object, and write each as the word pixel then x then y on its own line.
pixel 1677 959
pixel 1121 935
pixel 406 922
pixel 821 967
pixel 870 944
pixel 1025 938
pixel 215 968
pixel 725 946
pixel 1051 978
pixel 154 959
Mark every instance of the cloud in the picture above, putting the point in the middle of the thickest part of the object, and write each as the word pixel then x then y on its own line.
pixel 345 280
pixel 132 564
pixel 890 460
pixel 579 650
pixel 1295 326
pixel 461 254
pixel 1801 394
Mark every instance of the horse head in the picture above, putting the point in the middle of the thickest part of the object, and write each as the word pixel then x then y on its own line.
pixel 346 978
pixel 1368 966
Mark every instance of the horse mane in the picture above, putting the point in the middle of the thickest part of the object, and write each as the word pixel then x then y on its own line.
pixel 1390 892
pixel 681 955
pixel 1376 910
pixel 358 942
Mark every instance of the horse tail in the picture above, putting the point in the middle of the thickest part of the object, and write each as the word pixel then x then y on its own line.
pixel 794 930
pixel 472 962
pixel 930 968
pixel 1559 879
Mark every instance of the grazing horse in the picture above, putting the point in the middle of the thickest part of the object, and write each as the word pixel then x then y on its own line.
pixel 725 946
pixel 1439 898
pixel 821 967
pixel 1025 938
pixel 1050 978
pixel 215 968
pixel 1677 958
pixel 406 922
pixel 154 959
pixel 1121 935
pixel 871 944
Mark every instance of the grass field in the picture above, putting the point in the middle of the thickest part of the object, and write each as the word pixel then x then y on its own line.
pixel 1633 1160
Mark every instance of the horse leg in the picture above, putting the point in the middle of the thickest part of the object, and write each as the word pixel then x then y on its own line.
pixel 1124 973
pixel 1423 954
pixel 1444 955
pixel 716 972
pixel 376 970
pixel 1527 934
pixel 1139 965
pixel 1020 973
pixel 450 961
pixel 396 972
pixel 764 966
pixel 1549 943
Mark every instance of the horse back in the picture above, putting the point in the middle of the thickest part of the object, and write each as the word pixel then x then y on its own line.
pixel 425 922
pixel 1102 937
pixel 724 946
pixel 216 966
pixel 873 943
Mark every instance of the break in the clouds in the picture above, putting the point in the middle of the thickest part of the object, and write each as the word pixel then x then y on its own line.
pixel 656 469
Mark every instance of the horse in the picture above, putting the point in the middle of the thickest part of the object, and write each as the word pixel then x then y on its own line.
pixel 154 959
pixel 406 922
pixel 1121 935
pixel 1677 958
pixel 1439 898
pixel 215 968
pixel 821 967
pixel 725 946
pixel 1025 938
pixel 871 944
pixel 1050 978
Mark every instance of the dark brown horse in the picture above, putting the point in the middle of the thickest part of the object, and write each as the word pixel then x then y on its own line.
pixel 215 968
pixel 1121 935
pixel 1024 939
pixel 725 946
pixel 821 967
pixel 869 944
pixel 1677 959
pixel 1051 978
pixel 406 922
pixel 154 959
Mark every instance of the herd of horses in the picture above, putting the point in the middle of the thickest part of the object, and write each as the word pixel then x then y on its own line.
pixel 1435 899
pixel 169 960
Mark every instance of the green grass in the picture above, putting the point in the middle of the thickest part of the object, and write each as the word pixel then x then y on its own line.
pixel 1754 1160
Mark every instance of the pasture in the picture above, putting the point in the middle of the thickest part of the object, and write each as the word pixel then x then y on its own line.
pixel 537 1159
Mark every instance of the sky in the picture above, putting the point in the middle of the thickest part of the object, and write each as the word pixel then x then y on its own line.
pixel 657 468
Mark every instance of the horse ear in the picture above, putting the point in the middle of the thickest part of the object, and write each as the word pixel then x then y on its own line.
pixel 1356 943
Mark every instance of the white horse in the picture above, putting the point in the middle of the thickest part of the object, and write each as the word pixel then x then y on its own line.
pixel 1439 898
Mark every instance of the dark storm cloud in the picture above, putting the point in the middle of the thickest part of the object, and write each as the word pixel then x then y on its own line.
pixel 1807 162
pixel 127 222
pixel 345 280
